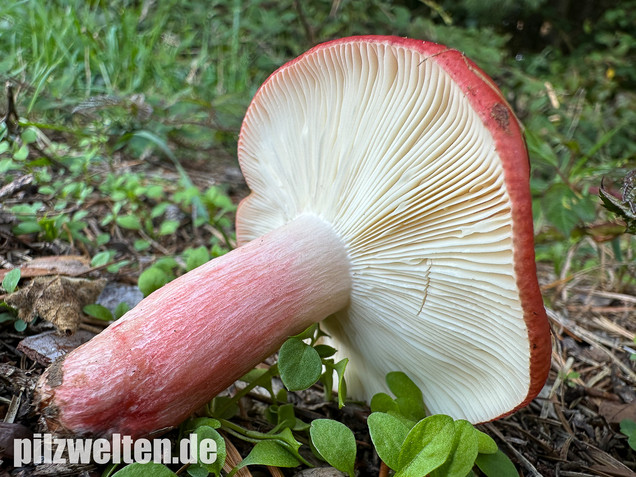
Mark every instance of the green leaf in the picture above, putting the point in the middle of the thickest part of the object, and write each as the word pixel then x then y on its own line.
pixel 102 258
pixel 167 264
pixel 411 408
pixel 152 279
pixel 485 443
pixel 402 386
pixel 427 446
pixel 387 433
pixel 98 311
pixel 159 209
pixel 141 245
pixel 382 402
pixel 27 227
pixel 269 453
pixel 20 325
pixel 284 417
pixel 29 135
pixel 154 192
pixel 22 153
pixel 195 422
pixel 11 279
pixel 408 396
pixel 308 333
pixel 121 309
pixel 129 221
pixel 218 458
pixel 540 149
pixel 325 351
pixel 224 407
pixel 464 452
pixel 168 227
pixel 565 209
pixel 115 267
pixel 340 367
pixel 197 470
pixel 496 465
pixel 4 317
pixel 335 443
pixel 628 427
pixel 145 470
pixel 299 365
pixel 196 257
pixel 102 239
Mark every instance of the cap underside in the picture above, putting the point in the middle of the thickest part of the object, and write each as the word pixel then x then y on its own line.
pixel 380 142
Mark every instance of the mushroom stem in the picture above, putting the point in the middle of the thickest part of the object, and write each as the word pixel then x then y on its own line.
pixel 192 338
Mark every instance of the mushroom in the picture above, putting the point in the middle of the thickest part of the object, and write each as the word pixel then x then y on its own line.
pixel 390 198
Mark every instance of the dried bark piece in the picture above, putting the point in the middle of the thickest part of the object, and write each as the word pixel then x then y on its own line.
pixel 48 346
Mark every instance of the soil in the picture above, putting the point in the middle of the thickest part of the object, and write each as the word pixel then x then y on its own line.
pixel 571 429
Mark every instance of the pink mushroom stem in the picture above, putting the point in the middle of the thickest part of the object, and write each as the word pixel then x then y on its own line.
pixel 194 337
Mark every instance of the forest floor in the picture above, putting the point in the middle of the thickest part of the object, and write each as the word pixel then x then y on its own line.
pixel 571 429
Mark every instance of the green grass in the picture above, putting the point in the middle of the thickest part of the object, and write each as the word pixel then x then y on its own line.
pixel 131 78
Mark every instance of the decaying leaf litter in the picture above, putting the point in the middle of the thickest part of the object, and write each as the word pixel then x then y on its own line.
pixel 571 429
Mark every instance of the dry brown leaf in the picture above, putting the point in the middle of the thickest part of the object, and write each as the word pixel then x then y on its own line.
pixel 58 299
pixel 615 412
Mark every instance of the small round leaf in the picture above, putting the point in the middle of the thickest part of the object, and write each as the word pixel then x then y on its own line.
pixel 10 280
pixel 299 365
pixel 335 443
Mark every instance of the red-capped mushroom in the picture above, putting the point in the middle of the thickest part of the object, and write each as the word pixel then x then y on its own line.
pixel 390 196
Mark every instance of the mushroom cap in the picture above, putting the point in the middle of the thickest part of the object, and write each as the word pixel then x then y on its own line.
pixel 413 155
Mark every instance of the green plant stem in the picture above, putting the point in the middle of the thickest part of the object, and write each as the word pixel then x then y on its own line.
pixel 255 437
pixel 271 372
